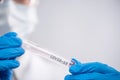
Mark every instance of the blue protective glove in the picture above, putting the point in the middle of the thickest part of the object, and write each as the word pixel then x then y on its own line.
pixel 10 49
pixel 92 71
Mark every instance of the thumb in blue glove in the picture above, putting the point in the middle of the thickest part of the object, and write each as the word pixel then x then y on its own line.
pixel 92 71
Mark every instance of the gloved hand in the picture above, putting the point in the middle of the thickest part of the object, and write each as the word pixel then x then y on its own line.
pixel 92 71
pixel 10 49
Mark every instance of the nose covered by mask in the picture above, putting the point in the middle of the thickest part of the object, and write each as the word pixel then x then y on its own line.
pixel 20 18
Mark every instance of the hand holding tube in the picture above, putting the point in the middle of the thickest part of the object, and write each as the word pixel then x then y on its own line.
pixel 92 71
pixel 10 49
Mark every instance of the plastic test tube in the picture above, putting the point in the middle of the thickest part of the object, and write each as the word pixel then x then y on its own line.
pixel 28 45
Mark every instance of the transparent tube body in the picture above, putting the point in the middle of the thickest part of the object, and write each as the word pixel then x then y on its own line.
pixel 28 45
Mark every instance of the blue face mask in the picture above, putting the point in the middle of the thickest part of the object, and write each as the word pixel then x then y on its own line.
pixel 20 18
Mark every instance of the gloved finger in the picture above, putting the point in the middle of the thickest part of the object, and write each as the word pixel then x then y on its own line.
pixel 11 53
pixel 97 67
pixel 6 75
pixel 10 40
pixel 8 64
pixel 93 67
pixel 87 76
pixel 76 61
pixel 10 34
pixel 75 67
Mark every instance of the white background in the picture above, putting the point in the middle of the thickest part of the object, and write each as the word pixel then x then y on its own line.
pixel 88 30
